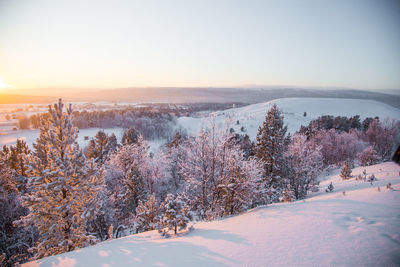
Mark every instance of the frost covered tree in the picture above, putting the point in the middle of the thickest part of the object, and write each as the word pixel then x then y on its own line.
pixel 336 146
pixel 368 156
pixel 130 176
pixel 345 173
pixel 383 137
pixel 306 163
pixel 173 155
pixel 14 241
pixel 288 194
pixel 212 160
pixel 147 213
pixel 101 147
pixel 130 136
pixel 15 158
pixel 272 143
pixel 135 188
pixel 329 188
pixel 198 170
pixel 239 187
pixel 203 166
pixel 175 215
pixel 61 191
pixel 100 150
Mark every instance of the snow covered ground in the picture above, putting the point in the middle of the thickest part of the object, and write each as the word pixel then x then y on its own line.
pixel 360 227
pixel 252 116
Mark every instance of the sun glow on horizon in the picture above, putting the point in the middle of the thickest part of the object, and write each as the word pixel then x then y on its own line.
pixel 4 85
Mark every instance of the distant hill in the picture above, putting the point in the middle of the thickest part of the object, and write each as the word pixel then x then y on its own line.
pixel 194 94
pixel 25 99
pixel 224 95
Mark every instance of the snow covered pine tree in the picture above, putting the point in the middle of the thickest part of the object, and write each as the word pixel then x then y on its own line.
pixel 62 190
pixel 147 213
pixel 175 215
pixel 345 173
pixel 272 143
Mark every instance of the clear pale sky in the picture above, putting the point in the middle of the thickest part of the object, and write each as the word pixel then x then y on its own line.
pixel 109 44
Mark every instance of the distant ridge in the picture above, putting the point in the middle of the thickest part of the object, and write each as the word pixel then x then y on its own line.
pixel 227 95
pixel 25 99
pixel 195 94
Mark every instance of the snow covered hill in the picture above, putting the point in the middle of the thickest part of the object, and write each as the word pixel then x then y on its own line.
pixel 251 117
pixel 360 227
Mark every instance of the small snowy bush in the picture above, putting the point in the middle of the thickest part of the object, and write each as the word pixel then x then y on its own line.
pixel 368 156
pixel 346 171
pixel 330 188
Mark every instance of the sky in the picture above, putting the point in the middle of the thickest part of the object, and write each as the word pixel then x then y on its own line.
pixel 216 43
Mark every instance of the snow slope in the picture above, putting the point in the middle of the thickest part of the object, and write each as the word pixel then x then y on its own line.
pixel 252 116
pixel 358 228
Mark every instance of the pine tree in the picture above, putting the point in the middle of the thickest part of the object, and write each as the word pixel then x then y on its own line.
pixel 345 173
pixel 330 188
pixel 135 189
pixel 147 213
pixel 288 194
pixel 174 154
pixel 239 187
pixel 175 215
pixel 130 136
pixel 16 161
pixel 272 143
pixel 101 147
pixel 130 176
pixel 62 190
pixel 176 141
pixel 14 241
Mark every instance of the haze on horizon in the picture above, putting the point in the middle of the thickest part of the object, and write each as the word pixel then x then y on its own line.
pixel 114 44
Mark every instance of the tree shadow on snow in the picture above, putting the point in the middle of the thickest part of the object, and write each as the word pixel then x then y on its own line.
pixel 218 235
pixel 133 252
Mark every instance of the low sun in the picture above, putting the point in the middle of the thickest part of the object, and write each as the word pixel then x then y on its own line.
pixel 4 85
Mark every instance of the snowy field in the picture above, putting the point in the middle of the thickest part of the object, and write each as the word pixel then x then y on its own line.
pixel 358 228
pixel 252 116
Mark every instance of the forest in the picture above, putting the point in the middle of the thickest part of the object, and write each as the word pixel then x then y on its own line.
pixel 57 197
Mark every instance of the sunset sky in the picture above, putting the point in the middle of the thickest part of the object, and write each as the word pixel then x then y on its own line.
pixel 109 44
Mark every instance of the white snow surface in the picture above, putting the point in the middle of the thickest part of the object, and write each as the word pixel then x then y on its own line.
pixel 358 228
pixel 252 116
